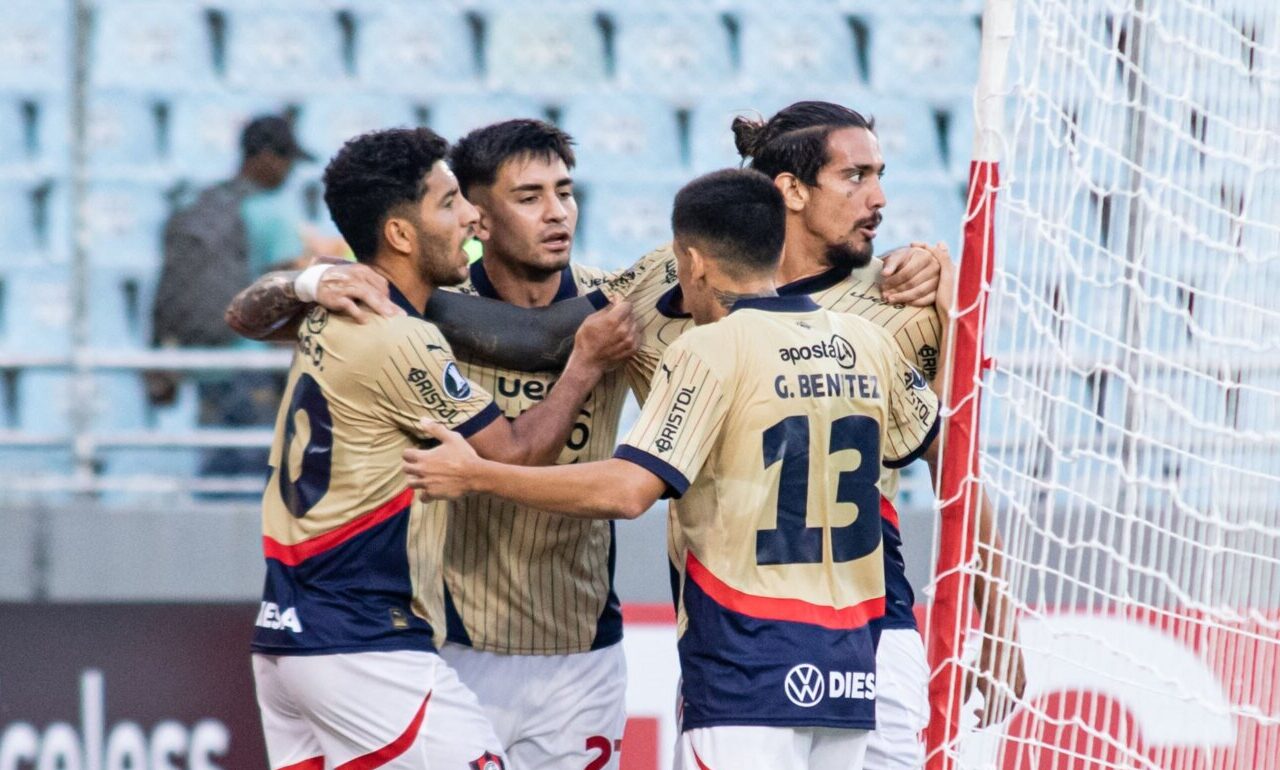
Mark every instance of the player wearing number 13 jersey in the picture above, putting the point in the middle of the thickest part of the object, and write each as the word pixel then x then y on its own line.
pixel 344 645
pixel 771 425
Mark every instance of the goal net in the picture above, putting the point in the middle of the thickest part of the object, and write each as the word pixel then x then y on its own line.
pixel 1117 349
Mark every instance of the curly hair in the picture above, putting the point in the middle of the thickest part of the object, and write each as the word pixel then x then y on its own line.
pixel 794 140
pixel 372 175
pixel 477 156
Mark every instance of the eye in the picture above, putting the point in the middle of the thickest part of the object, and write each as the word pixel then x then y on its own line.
pixel 528 199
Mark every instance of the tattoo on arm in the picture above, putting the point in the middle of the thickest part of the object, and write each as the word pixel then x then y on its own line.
pixel 728 298
pixel 267 309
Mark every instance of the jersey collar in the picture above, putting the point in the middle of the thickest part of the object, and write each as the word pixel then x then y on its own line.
pixel 814 283
pixel 670 303
pixel 795 304
pixel 485 288
pixel 403 302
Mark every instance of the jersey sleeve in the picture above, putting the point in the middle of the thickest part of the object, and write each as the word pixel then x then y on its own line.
pixel 417 377
pixel 920 340
pixel 680 421
pixel 649 269
pixel 913 415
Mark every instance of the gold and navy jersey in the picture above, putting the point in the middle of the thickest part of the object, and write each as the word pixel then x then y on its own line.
pixel 771 426
pixel 916 331
pixel 524 581
pixel 353 560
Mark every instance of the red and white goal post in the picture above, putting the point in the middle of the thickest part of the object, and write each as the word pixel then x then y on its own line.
pixel 1115 391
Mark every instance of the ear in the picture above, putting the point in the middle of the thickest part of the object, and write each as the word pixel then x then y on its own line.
pixel 795 194
pixel 697 265
pixel 400 236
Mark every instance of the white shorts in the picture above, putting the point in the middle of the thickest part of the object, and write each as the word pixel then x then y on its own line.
pixel 771 748
pixel 902 702
pixel 402 710
pixel 552 712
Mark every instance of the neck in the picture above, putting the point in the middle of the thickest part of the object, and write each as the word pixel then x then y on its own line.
pixel 404 277
pixel 803 253
pixel 521 286
pixel 728 292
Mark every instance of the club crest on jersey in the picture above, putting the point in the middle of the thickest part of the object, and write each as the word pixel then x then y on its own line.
pixel 805 685
pixel 487 761
pixel 456 386
pixel 913 379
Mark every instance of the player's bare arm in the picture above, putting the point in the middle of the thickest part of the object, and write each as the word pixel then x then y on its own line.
pixel 609 489
pixel 537 339
pixel 270 308
pixel 606 340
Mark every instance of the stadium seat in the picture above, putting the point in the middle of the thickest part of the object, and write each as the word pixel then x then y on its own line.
pixel 621 221
pixel 931 55
pixel 285 50
pixel 453 116
pixel 120 308
pixel 325 122
pixel 711 144
pixel 921 210
pixel 799 49
pixel 152 45
pixel 34 134
pixel 908 134
pixel 536 51
pixel 35 309
pixel 673 53
pixel 204 137
pixel 37 219
pixel 413 48
pixel 35 46
pixel 624 136
pixel 45 398
pixel 122 134
pixel 123 223
pixel 119 402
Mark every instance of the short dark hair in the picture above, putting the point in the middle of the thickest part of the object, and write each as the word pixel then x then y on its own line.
pixel 795 140
pixel 372 175
pixel 737 215
pixel 477 156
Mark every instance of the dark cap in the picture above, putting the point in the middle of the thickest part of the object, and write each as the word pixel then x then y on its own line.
pixel 272 133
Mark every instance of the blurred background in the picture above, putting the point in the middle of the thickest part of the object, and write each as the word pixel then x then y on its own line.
pixel 132 423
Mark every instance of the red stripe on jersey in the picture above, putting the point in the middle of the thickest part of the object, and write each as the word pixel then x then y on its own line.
pixel 392 750
pixel 648 614
pixel 791 610
pixel 293 555
pixel 315 763
pixel 889 513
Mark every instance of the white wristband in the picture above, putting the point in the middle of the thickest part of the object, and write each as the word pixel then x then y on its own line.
pixel 308 282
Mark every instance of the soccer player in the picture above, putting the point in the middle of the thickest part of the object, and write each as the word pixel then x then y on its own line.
pixel 770 422
pixel 344 645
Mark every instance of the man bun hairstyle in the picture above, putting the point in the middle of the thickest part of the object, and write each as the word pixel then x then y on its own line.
pixel 374 174
pixel 737 216
pixel 794 141
pixel 476 157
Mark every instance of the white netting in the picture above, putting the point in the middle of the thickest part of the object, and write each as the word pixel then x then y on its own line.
pixel 1131 425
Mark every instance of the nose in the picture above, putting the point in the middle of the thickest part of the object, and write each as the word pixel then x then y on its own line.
pixel 875 198
pixel 556 210
pixel 468 214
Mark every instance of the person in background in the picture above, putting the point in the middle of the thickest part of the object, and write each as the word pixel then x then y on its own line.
pixel 213 247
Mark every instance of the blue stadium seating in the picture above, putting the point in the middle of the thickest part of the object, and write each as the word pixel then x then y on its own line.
pixel 415 48
pixel 124 222
pixel 909 139
pixel 454 116
pixel 537 51
pixel 34 133
pixel 120 308
pixel 151 45
pixel 676 55
pixel 929 54
pixel 325 122
pixel 119 402
pixel 35 309
pixel 807 48
pixel 122 134
pixel 920 210
pixel 37 220
pixel 45 398
pixel 620 221
pixel 284 51
pixel 624 136
pixel 35 46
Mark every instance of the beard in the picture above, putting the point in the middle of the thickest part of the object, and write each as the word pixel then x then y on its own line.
pixel 845 255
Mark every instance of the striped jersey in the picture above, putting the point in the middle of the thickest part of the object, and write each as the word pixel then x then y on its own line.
pixel 655 294
pixel 520 580
pixel 353 560
pixel 771 426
